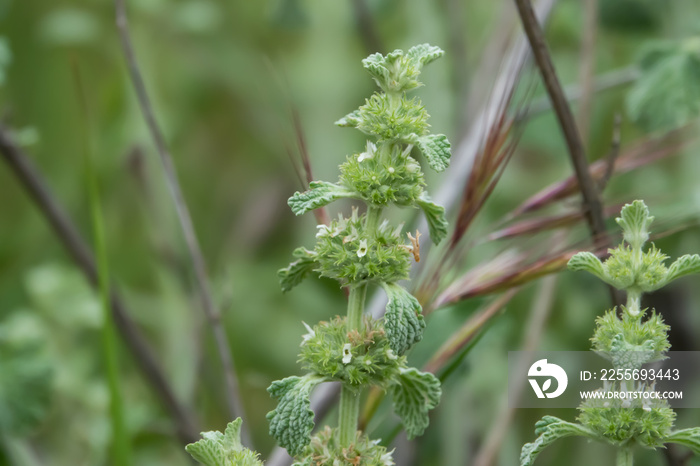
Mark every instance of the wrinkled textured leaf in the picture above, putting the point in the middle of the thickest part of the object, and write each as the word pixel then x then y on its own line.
pixel 667 95
pixel 217 449
pixel 423 54
pixel 350 120
pixel 403 321
pixel 292 421
pixel 293 274
pixel 686 437
pixel 375 64
pixel 635 220
pixel 588 262
pixel 684 265
pixel 435 215
pixel 321 193
pixel 414 394
pixel 549 429
pixel 436 149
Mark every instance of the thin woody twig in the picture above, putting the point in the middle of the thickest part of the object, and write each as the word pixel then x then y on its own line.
pixel 589 190
pixel 37 187
pixel 209 307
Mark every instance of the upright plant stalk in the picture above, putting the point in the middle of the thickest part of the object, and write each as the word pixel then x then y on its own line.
pixel 625 457
pixel 349 409
pixel 359 251
pixel 628 341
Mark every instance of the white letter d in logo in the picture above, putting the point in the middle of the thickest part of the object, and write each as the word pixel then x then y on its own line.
pixel 542 369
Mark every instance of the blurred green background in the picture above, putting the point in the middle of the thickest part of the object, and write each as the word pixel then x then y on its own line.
pixel 225 79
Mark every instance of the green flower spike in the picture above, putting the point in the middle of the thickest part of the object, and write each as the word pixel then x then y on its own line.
pixel 628 342
pixel 362 250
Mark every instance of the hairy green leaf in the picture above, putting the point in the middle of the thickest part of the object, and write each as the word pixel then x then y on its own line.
pixel 297 271
pixel 436 149
pixel 588 262
pixel 321 194
pixel 435 215
pixel 667 95
pixel 350 120
pixel 550 429
pixel 414 394
pixel 635 220
pixel 686 437
pixel 217 449
pixel 375 64
pixel 403 321
pixel 422 54
pixel 292 421
pixel 684 265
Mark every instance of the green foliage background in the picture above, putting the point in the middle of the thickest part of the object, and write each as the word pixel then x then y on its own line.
pixel 223 77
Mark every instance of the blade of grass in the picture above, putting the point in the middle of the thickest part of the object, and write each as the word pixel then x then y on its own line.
pixel 640 155
pixel 461 338
pixel 121 446
pixel 474 284
pixel 538 225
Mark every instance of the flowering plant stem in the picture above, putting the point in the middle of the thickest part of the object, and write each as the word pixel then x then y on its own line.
pixel 625 457
pixel 358 250
pixel 350 399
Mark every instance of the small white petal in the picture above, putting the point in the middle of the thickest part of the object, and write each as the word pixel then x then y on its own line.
pixel 347 354
pixel 309 335
pixel 322 231
pixel 362 250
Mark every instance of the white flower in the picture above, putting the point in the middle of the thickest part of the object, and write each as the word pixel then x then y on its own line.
pixel 308 336
pixel 347 354
pixel 362 250
pixel 322 231
pixel 626 404
pixel 368 153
